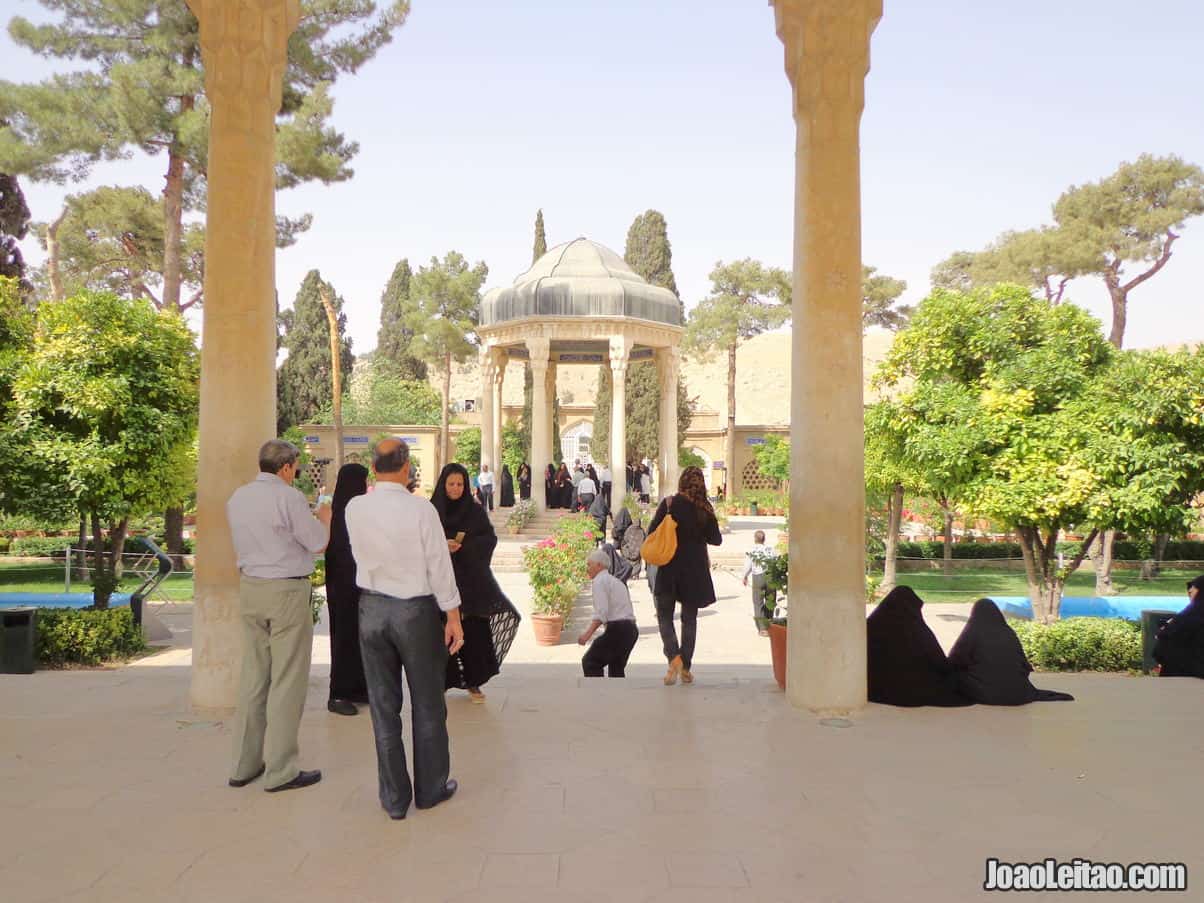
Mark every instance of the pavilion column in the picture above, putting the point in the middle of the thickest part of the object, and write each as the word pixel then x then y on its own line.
pixel 554 424
pixel 538 350
pixel 827 58
pixel 620 354
pixel 243 45
pixel 668 362
pixel 488 379
pixel 499 379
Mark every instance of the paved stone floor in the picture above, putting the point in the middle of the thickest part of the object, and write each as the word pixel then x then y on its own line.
pixel 626 791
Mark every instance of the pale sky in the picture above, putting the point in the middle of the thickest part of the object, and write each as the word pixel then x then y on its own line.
pixel 978 115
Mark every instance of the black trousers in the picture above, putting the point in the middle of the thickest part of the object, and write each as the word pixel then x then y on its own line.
pixel 398 634
pixel 487 497
pixel 610 651
pixel 665 606
pixel 606 488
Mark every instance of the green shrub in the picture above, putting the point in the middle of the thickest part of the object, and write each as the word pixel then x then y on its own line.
pixel 40 546
pixel 1082 644
pixel 935 551
pixel 87 636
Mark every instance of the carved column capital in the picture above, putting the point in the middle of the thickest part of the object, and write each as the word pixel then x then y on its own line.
pixel 827 50
pixel 620 354
pixel 244 44
pixel 538 351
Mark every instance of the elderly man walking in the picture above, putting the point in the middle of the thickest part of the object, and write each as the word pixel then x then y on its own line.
pixel 276 538
pixel 409 618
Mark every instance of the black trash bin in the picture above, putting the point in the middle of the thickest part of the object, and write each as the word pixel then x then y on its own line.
pixel 18 640
pixel 1151 622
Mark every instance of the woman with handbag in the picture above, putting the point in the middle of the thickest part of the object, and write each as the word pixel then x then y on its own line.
pixel 683 572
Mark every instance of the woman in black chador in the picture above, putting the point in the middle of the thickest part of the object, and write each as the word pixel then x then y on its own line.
pixel 507 497
pixel 906 665
pixel 989 663
pixel 1179 648
pixel 347 683
pixel 549 483
pixel 524 481
pixel 489 620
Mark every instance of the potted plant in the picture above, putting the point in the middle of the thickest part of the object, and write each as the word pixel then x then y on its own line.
pixel 556 571
pixel 776 571
pixel 521 515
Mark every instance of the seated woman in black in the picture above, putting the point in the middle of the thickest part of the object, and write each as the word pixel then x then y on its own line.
pixel 989 662
pixel 905 664
pixel 1179 648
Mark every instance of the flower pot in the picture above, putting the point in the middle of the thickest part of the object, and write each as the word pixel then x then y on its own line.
pixel 547 629
pixel 514 531
pixel 777 646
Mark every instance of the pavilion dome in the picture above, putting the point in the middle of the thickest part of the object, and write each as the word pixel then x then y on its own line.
pixel 580 278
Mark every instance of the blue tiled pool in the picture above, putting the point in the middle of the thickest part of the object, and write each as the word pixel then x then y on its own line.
pixel 1129 607
pixel 57 600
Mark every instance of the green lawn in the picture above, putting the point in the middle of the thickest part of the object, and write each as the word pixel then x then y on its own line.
pixel 48 578
pixel 969 585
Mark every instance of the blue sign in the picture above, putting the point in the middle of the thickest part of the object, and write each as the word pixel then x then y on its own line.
pixel 356 440
pixel 752 441
pixel 313 440
pixel 410 440
pixel 718 465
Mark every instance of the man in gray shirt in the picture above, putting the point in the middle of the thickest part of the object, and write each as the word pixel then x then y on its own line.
pixel 276 538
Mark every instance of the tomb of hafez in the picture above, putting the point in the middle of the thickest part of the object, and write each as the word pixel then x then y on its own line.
pixel 827 58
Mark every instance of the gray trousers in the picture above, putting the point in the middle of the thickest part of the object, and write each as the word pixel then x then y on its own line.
pixel 278 631
pixel 397 634
pixel 758 600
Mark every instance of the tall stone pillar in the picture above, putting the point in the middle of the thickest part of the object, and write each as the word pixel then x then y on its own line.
pixel 827 57
pixel 488 381
pixel 620 354
pixel 668 362
pixel 499 379
pixel 538 349
pixel 243 44
pixel 553 421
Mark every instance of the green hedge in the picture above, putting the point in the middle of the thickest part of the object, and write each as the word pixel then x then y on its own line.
pixel 87 636
pixel 1122 550
pixel 40 546
pixel 1082 644
pixel 936 550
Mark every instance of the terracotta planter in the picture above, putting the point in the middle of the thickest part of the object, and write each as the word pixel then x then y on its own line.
pixel 777 645
pixel 547 629
pixel 514 531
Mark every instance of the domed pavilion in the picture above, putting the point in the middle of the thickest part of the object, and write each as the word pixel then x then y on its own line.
pixel 580 303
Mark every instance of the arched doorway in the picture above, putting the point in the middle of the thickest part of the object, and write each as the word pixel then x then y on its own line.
pixel 575 443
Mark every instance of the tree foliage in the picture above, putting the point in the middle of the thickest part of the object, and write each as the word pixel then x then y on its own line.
pixel 14 225
pixel 747 298
pixel 103 415
pixel 773 458
pixel 142 88
pixel 377 397
pixel 303 380
pixel 1024 412
pixel 396 332
pixel 649 253
pixel 879 300
pixel 541 240
pixel 468 449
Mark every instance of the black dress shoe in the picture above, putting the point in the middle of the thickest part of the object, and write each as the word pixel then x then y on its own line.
pixel 449 790
pixel 341 707
pixel 303 779
pixel 243 782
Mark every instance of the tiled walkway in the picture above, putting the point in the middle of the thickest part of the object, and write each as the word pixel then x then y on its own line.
pixel 625 791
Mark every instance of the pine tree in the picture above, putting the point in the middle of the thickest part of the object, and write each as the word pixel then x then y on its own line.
pixel 395 335
pixel 143 88
pixel 14 224
pixel 303 380
pixel 541 241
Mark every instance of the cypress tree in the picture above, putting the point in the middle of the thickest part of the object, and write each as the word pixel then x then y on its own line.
pixel 541 241
pixel 303 380
pixel 396 332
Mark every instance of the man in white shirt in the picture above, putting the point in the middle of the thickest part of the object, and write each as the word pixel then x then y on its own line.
pixel 275 537
pixel 754 566
pixel 404 568
pixel 587 490
pixel 604 478
pixel 485 484
pixel 612 607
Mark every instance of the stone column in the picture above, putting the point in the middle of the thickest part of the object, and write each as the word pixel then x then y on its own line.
pixel 499 379
pixel 553 420
pixel 488 380
pixel 243 45
pixel 827 58
pixel 620 354
pixel 668 362
pixel 538 349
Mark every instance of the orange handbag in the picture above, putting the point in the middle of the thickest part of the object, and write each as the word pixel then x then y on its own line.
pixel 661 544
